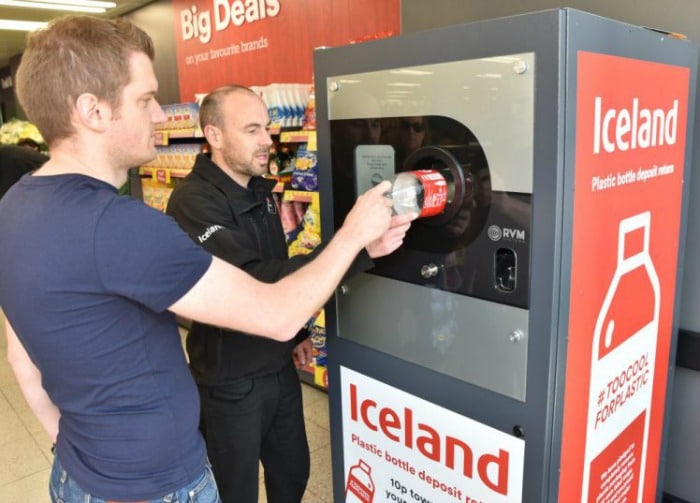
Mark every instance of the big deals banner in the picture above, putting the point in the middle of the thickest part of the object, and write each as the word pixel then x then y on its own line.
pixel 630 155
pixel 258 42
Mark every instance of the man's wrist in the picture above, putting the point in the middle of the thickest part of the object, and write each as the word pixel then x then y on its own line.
pixel 345 240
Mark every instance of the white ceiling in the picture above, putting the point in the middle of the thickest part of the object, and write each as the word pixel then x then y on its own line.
pixel 12 42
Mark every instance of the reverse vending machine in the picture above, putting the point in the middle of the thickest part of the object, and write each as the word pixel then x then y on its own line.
pixel 518 346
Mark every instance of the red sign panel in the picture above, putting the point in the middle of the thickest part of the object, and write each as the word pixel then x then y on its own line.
pixel 258 42
pixel 630 154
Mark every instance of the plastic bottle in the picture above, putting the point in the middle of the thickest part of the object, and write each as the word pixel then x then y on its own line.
pixel 297 105
pixel 284 160
pixel 273 166
pixel 287 109
pixel 274 106
pixel 421 191
pixel 310 111
pixel 359 487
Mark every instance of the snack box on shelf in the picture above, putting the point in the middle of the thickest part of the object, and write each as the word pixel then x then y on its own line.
pixel 180 116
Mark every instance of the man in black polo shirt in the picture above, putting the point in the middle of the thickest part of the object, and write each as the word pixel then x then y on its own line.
pixel 16 161
pixel 249 390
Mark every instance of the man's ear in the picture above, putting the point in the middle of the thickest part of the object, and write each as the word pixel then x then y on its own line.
pixel 92 112
pixel 213 135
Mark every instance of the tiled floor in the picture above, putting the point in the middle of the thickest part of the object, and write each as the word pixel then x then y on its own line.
pixel 26 458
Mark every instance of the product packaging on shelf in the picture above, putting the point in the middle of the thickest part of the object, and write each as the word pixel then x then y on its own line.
pixel 175 156
pixel 310 112
pixel 317 335
pixel 180 116
pixel 156 193
pixel 291 223
pixel 305 170
pixel 310 235
pixel 286 103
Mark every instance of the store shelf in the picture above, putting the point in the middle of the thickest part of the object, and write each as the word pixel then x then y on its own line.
pixel 309 378
pixel 164 174
pixel 311 374
pixel 302 196
pixel 316 372
pixel 299 136
pixel 163 137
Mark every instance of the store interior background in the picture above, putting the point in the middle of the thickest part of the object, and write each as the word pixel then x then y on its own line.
pixel 680 16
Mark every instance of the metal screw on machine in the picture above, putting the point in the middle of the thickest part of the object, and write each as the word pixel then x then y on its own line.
pixel 429 271
pixel 520 67
pixel 516 335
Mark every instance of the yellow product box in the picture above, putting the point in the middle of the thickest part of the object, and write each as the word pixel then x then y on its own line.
pixel 321 376
pixel 190 115
pixel 155 193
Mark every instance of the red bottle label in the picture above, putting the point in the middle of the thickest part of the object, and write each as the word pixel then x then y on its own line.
pixel 434 192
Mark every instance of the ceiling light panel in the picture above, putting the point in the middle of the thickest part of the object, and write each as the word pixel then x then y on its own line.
pixel 14 25
pixel 25 4
pixel 82 3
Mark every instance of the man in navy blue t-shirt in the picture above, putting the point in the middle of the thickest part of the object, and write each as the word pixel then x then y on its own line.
pixel 90 281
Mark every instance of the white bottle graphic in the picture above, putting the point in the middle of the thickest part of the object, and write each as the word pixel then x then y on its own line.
pixel 622 373
pixel 359 488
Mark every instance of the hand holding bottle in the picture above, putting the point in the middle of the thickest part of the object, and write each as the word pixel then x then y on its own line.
pixel 370 217
pixel 393 238
pixel 423 191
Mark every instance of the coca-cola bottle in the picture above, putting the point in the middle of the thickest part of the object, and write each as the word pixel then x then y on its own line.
pixel 422 191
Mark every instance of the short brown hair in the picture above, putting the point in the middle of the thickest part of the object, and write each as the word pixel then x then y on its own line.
pixel 210 109
pixel 71 56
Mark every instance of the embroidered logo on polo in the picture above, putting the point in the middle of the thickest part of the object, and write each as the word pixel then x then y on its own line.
pixel 209 233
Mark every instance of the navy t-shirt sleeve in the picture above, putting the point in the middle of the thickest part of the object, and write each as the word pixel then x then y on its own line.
pixel 143 255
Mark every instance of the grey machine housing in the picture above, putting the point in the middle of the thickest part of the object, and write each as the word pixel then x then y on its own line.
pixel 471 313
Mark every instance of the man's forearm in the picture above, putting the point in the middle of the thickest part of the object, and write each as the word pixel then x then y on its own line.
pixel 321 276
pixel 228 297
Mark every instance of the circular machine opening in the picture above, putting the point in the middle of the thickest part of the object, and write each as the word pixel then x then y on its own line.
pixel 456 152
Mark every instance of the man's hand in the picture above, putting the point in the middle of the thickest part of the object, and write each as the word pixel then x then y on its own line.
pixel 369 218
pixel 393 237
pixel 302 353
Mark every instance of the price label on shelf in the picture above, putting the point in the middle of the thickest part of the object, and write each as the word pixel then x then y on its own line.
pixel 311 143
pixel 301 196
pixel 308 137
pixel 161 138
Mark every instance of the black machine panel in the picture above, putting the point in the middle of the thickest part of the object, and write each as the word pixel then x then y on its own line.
pixel 479 245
